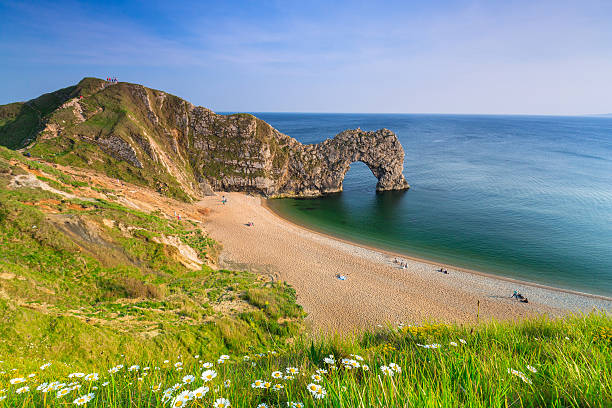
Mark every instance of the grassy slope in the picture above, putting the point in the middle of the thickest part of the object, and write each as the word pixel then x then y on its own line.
pixel 109 111
pixel 61 293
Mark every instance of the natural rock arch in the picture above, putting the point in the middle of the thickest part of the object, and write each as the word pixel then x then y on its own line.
pixel 321 168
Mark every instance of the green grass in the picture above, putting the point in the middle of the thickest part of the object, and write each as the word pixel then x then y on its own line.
pixel 70 276
pixel 570 359
pixel 87 285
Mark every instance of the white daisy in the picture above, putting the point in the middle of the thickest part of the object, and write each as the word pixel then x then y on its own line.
pixel 387 371
pixel 208 375
pixel 92 377
pixel 84 399
pixel 221 403
pixel 199 392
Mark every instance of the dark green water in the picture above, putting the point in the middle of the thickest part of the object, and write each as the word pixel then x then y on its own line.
pixel 519 196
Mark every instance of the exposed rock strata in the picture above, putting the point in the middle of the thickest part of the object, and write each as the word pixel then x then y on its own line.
pixel 171 142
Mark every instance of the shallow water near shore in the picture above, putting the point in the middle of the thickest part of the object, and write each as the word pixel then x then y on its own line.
pixel 526 197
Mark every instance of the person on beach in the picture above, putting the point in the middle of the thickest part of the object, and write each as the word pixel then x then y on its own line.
pixel 223 200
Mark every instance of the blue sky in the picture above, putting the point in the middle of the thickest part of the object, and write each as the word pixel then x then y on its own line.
pixel 508 57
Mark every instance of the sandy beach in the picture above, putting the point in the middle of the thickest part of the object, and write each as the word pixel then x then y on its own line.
pixel 376 290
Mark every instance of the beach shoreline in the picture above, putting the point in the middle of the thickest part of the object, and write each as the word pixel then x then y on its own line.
pixel 376 291
pixel 264 203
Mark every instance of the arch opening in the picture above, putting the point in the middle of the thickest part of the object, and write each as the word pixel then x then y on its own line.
pixel 359 177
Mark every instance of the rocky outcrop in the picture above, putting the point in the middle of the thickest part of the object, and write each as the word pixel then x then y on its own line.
pixel 320 168
pixel 176 146
pixel 243 153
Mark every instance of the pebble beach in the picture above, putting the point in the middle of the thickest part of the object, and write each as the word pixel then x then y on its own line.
pixel 376 290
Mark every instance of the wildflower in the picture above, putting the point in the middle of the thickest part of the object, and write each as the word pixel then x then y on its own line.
pixel 288 377
pixel 452 343
pixel 257 384
pixel 196 356
pixel 227 383
pixel 462 341
pixel 22 390
pixel 92 377
pixel 277 387
pixel 84 399
pixel 154 388
pixel 357 357
pixel 4 397
pixel 17 380
pixel 44 366
pixel 292 370
pixel 246 358
pixel 329 360
pixel 295 404
pixel 312 387
pixel 104 384
pixel 32 375
pixel 349 363
pixel 77 375
pixel 188 379
pixel 167 394
pixel 321 371
pixel 221 403
pixel 532 369
pixel 42 387
pixel 176 386
pixel 277 374
pixel 395 367
pixel 177 402
pixel 146 369
pixel 166 361
pixel 224 357
pixel 266 385
pixel 365 367
pixel 519 374
pixel 316 378
pixel 199 392
pixel 429 346
pixel 115 369
pixel 320 393
pixel 387 371
pixel 263 405
pixel 178 364
pixel 208 375
pixel 63 392
pixel 181 399
pixel 207 365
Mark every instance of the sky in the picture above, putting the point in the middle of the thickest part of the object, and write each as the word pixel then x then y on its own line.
pixel 435 56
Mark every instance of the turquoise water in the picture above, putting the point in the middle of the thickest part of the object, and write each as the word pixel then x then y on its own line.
pixel 525 197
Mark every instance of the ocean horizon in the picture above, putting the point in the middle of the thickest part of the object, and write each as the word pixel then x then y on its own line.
pixel 526 197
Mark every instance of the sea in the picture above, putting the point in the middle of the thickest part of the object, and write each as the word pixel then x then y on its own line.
pixel 524 197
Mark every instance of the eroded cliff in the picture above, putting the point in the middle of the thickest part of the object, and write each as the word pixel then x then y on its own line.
pixel 148 136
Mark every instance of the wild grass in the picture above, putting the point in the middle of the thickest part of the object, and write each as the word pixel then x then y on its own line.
pixel 548 363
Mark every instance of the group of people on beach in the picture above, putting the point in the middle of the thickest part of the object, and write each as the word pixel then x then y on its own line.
pixel 519 297
pixel 403 264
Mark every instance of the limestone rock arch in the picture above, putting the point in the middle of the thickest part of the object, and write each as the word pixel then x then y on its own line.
pixel 320 168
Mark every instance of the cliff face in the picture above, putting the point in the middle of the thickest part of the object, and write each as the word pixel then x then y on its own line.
pixel 140 134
